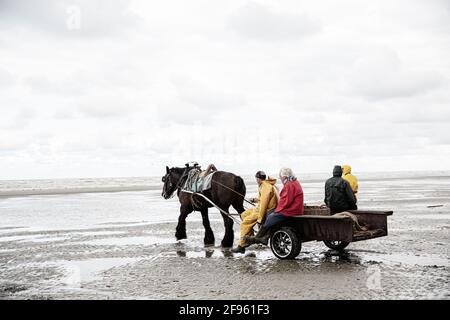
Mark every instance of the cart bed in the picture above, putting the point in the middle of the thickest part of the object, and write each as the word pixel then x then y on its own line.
pixel 332 228
pixel 318 224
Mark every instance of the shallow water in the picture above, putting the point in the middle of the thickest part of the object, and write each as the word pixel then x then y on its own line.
pixel 85 210
pixel 143 240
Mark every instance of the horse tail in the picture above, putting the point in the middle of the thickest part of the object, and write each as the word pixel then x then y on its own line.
pixel 239 185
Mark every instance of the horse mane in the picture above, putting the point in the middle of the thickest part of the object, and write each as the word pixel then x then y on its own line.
pixel 182 172
pixel 178 170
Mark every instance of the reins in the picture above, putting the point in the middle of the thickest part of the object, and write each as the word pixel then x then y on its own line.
pixel 220 184
pixel 229 215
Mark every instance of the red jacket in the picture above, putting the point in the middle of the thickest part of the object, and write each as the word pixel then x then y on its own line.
pixel 291 199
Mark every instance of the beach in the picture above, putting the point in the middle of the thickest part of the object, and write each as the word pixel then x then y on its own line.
pixel 113 238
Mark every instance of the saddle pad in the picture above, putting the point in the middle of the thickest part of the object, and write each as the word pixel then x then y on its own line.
pixel 196 183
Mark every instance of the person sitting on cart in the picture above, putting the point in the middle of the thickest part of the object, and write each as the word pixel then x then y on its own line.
pixel 290 204
pixel 350 178
pixel 339 195
pixel 267 201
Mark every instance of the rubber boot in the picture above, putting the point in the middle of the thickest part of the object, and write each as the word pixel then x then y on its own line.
pixel 238 249
pixel 262 236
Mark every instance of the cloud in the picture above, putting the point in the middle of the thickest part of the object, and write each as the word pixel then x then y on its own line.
pixel 244 84
pixel 6 78
pixel 432 16
pixel 256 21
pixel 88 80
pixel 428 110
pixel 69 17
pixel 383 76
pixel 10 143
pixel 108 104
pixel 205 100
pixel 40 84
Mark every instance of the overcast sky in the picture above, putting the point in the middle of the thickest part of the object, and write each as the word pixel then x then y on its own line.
pixel 122 88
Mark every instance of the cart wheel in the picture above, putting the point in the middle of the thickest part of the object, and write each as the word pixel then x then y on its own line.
pixel 285 243
pixel 336 245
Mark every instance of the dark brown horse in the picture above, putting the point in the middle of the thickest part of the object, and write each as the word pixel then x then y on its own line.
pixel 220 193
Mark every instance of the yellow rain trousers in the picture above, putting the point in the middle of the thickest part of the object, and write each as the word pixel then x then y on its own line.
pixel 267 200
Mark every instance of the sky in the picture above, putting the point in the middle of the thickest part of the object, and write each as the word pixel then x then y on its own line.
pixel 92 88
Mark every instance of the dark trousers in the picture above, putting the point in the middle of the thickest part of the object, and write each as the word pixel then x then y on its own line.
pixel 273 218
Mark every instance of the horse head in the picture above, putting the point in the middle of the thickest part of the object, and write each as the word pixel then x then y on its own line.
pixel 171 181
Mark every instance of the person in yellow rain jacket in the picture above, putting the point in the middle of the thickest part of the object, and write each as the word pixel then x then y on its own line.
pixel 351 179
pixel 267 200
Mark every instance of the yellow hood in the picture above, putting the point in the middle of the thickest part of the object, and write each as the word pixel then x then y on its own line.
pixel 346 170
pixel 271 180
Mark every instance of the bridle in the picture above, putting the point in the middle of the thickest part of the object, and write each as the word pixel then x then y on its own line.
pixel 178 185
pixel 166 179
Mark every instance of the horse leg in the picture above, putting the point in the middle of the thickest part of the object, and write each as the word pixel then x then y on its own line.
pixel 181 227
pixel 228 238
pixel 209 235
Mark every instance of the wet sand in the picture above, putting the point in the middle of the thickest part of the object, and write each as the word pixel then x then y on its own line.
pixel 143 261
pixel 122 246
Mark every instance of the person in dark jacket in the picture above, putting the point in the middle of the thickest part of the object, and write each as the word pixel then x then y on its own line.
pixel 339 195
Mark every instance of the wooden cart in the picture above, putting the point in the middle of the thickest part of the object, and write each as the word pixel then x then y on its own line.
pixel 318 224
